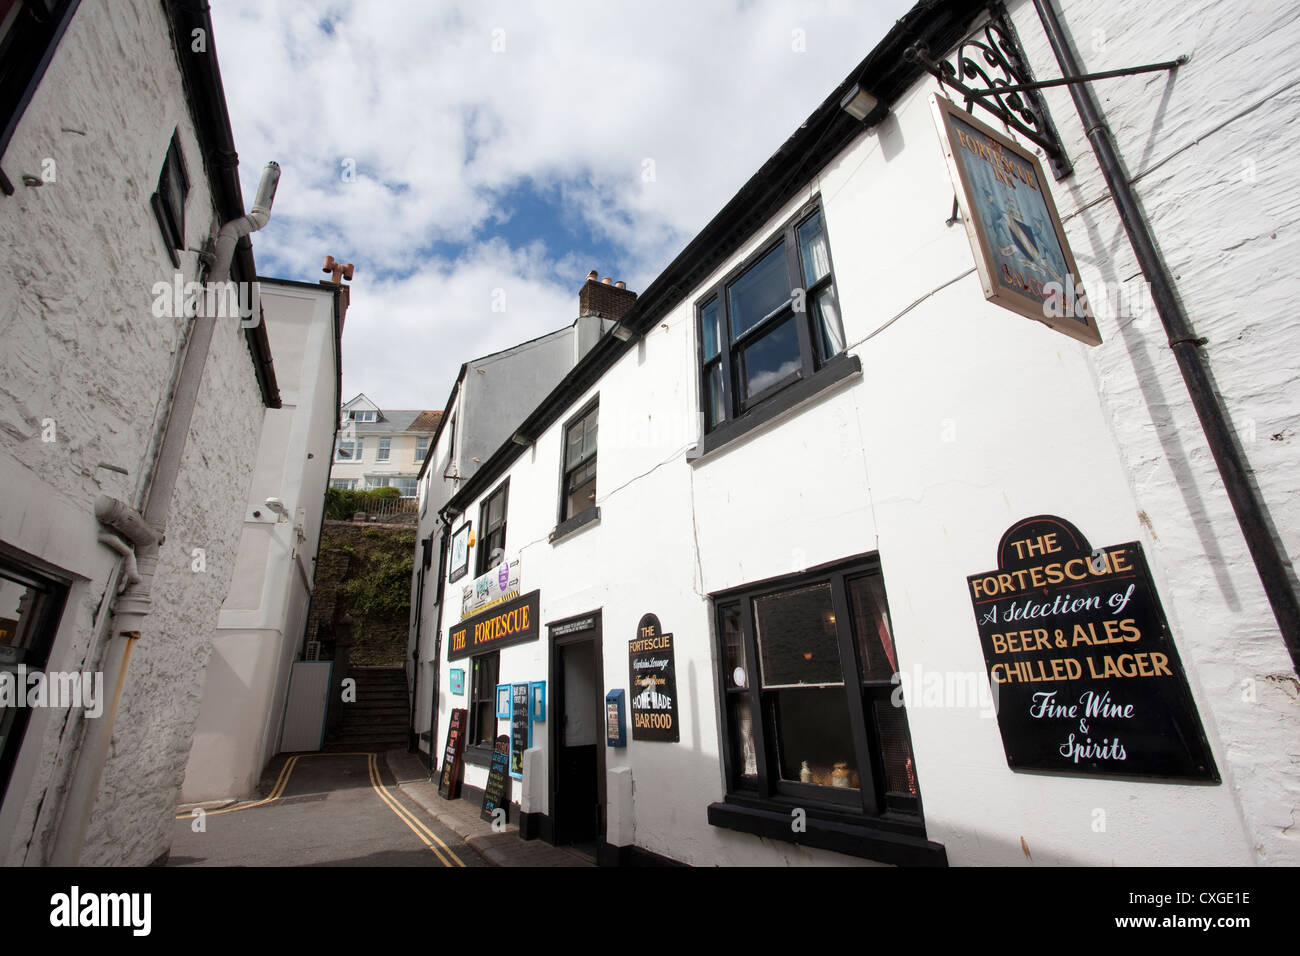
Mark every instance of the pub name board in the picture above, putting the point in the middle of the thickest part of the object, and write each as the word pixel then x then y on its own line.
pixel 1084 671
pixel 501 626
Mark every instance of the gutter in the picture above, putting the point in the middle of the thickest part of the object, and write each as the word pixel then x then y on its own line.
pixel 207 100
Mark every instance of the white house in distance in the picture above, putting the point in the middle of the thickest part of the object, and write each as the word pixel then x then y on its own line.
pixel 381 448
pixel 260 631
pixel 926 581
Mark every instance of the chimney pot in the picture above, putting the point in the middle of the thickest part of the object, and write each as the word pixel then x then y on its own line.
pixel 593 275
pixel 605 281
pixel 620 284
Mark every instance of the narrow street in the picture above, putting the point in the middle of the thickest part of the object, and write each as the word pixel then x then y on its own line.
pixel 321 809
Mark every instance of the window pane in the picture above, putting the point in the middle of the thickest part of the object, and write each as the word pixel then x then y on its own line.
pixel 714 407
pixel 895 748
pixel 741 721
pixel 772 358
pixel 384 445
pixel 495 514
pixel 796 637
pixel 583 496
pixel 871 628
pixel 759 292
pixel 580 442
pixel 19 610
pixel 709 329
pixel 830 333
pixel 814 741
pixel 813 252
pixel 737 672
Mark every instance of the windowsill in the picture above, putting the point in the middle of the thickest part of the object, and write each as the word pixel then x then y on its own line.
pixel 827 831
pixel 842 368
pixel 478 755
pixel 581 520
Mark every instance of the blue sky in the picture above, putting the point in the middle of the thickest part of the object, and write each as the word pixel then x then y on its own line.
pixel 461 152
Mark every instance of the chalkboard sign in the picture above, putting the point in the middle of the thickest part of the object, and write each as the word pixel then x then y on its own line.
pixel 1084 672
pixel 449 783
pixel 520 728
pixel 494 794
pixel 653 677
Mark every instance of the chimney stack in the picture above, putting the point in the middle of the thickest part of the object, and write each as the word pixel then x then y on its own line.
pixel 604 297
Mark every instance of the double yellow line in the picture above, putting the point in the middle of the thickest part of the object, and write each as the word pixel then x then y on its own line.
pixel 427 836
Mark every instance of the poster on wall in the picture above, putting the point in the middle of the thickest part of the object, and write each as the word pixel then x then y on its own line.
pixel 1085 676
pixel 653 682
pixel 520 728
pixel 459 563
pixel 1021 252
pixel 497 586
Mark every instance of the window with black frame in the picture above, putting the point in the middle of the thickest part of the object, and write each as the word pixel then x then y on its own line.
pixel 809 709
pixel 772 322
pixel 492 530
pixel 578 489
pixel 169 201
pixel 30 607
pixel 483 699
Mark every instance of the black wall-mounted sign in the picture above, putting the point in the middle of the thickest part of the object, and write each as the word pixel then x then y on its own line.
pixel 449 782
pixel 1084 671
pixel 653 682
pixel 520 727
pixel 514 622
pixel 494 794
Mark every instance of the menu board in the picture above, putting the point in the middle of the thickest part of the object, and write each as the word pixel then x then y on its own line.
pixel 449 783
pixel 653 677
pixel 1084 672
pixel 520 728
pixel 494 794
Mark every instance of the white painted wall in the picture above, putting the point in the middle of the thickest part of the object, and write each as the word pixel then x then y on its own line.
pixel 83 348
pixel 869 467
pixel 260 630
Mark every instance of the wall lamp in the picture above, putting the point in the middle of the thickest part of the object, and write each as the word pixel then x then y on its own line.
pixel 862 106
pixel 622 332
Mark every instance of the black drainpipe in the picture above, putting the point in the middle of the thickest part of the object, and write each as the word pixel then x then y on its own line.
pixel 439 593
pixel 1252 515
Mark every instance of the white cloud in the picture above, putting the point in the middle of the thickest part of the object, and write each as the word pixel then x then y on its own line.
pixel 440 127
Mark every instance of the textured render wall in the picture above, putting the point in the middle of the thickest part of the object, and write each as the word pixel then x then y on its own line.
pixel 78 259
pixel 1212 153
pixel 132 822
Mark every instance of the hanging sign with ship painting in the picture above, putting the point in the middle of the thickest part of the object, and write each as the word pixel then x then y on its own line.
pixel 1021 253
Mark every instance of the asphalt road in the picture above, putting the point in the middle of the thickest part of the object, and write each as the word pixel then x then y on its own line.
pixel 321 809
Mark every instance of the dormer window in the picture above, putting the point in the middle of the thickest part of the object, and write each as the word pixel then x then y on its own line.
pixel 363 416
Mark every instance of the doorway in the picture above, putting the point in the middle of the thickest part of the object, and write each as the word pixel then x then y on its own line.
pixel 577 792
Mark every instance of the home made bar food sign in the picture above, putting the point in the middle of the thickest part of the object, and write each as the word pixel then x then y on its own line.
pixel 1081 662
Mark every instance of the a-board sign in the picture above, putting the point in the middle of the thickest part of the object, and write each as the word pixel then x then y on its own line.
pixel 651 663
pixel 449 782
pixel 1084 672
pixel 520 728
pixel 494 794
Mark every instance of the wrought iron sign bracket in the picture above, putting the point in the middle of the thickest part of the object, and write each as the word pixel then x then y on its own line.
pixel 989 68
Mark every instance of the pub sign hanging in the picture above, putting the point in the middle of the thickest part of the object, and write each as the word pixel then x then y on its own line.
pixel 1083 669
pixel 1021 252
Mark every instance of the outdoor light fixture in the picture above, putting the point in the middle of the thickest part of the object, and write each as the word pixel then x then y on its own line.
pixel 858 103
pixel 621 332
pixel 520 439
